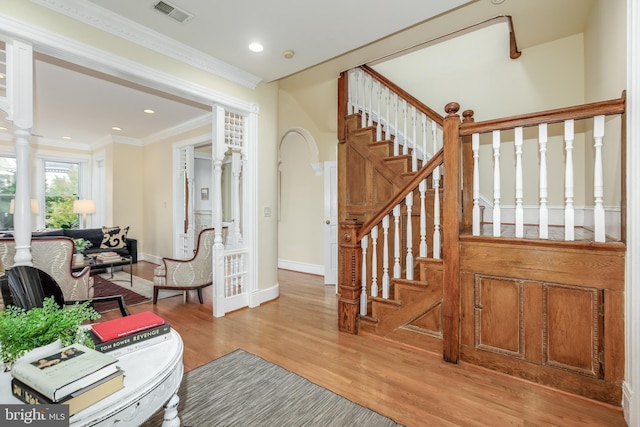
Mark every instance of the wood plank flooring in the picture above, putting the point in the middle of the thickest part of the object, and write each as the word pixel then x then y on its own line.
pixel 298 331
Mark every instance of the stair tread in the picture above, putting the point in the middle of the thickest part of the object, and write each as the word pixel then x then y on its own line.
pixel 386 301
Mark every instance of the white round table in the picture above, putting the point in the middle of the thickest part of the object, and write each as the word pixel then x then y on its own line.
pixel 152 376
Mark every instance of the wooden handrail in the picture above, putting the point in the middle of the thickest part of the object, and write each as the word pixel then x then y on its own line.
pixel 404 94
pixel 427 170
pixel 514 53
pixel 577 112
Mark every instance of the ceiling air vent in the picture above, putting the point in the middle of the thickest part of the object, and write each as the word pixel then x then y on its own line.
pixel 179 15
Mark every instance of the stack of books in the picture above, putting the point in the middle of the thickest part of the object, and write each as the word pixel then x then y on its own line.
pixel 129 333
pixel 74 375
pixel 108 257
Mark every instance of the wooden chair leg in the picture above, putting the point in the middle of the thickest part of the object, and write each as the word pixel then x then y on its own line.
pixel 200 296
pixel 155 294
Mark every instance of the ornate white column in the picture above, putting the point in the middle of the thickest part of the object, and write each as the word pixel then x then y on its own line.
pixel 218 152
pixel 20 96
pixel 236 169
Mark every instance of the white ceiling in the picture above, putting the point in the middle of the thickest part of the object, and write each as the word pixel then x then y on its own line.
pixel 84 105
pixel 314 31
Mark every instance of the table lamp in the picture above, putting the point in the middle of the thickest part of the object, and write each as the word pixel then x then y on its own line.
pixel 84 207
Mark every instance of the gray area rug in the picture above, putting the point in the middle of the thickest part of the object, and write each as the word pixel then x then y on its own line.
pixel 242 389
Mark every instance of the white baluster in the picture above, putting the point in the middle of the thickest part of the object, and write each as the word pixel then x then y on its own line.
pixel 496 183
pixel 436 212
pixel 350 85
pixel 396 140
pixel 385 257
pixel 379 119
pixel 397 268
pixel 370 109
pixel 414 152
pixel 388 117
pixel 374 261
pixel 519 184
pixel 409 260
pixel 475 147
pixel 425 157
pixel 598 180
pixel 363 113
pixel 434 136
pixel 543 222
pixel 364 243
pixel 405 146
pixel 569 214
pixel 422 188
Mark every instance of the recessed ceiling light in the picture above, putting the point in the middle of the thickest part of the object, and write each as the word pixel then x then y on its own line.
pixel 148 111
pixel 256 47
pixel 497 2
pixel 115 128
pixel 66 137
pixel 288 54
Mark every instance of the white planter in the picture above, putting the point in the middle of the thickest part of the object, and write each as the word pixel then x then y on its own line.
pixel 78 258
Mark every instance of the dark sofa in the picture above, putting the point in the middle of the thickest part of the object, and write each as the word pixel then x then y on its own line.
pixel 95 236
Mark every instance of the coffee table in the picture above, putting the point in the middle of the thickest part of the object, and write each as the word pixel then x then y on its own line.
pixel 94 266
pixel 152 376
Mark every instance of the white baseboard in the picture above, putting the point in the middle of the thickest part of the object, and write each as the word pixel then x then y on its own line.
pixel 264 295
pixel 150 258
pixel 301 267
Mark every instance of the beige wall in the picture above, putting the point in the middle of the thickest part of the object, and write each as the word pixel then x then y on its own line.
pixel 301 225
pixel 481 76
pixel 127 208
pixel 605 78
pixel 137 184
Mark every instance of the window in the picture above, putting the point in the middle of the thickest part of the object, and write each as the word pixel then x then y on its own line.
pixel 7 191
pixel 61 190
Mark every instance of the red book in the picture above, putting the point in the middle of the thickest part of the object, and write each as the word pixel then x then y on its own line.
pixel 127 325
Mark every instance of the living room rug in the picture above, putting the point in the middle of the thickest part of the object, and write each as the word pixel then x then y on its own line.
pixel 242 389
pixel 103 288
pixel 141 291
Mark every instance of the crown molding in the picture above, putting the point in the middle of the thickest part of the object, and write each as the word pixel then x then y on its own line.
pixel 40 142
pixel 107 21
pixel 205 119
pixel 79 53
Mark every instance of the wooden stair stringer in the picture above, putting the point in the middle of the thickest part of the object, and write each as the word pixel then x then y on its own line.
pixel 412 299
pixel 395 169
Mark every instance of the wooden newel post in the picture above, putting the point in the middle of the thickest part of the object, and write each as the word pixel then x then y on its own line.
pixel 450 237
pixel 350 283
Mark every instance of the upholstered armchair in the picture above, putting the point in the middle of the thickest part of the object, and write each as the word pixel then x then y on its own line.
pixel 53 255
pixel 187 274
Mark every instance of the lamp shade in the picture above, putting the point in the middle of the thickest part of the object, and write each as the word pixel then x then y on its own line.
pixel 84 207
pixel 34 206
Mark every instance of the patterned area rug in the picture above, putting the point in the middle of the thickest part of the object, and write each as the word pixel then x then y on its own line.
pixel 242 389
pixel 103 287
pixel 141 290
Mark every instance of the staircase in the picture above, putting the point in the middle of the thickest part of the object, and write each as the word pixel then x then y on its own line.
pixel 521 293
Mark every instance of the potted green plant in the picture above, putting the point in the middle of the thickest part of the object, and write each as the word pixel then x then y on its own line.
pixel 80 245
pixel 24 330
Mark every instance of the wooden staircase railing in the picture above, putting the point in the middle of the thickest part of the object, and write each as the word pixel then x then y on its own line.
pixel 378 244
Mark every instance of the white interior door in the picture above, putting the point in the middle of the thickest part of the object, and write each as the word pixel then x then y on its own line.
pixel 331 224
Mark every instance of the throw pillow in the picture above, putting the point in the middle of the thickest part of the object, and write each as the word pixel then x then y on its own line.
pixel 114 237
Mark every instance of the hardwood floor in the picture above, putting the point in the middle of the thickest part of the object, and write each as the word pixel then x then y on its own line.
pixel 298 331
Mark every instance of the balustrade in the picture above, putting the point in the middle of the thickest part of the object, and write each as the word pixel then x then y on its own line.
pixel 417 131
pixel 592 217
